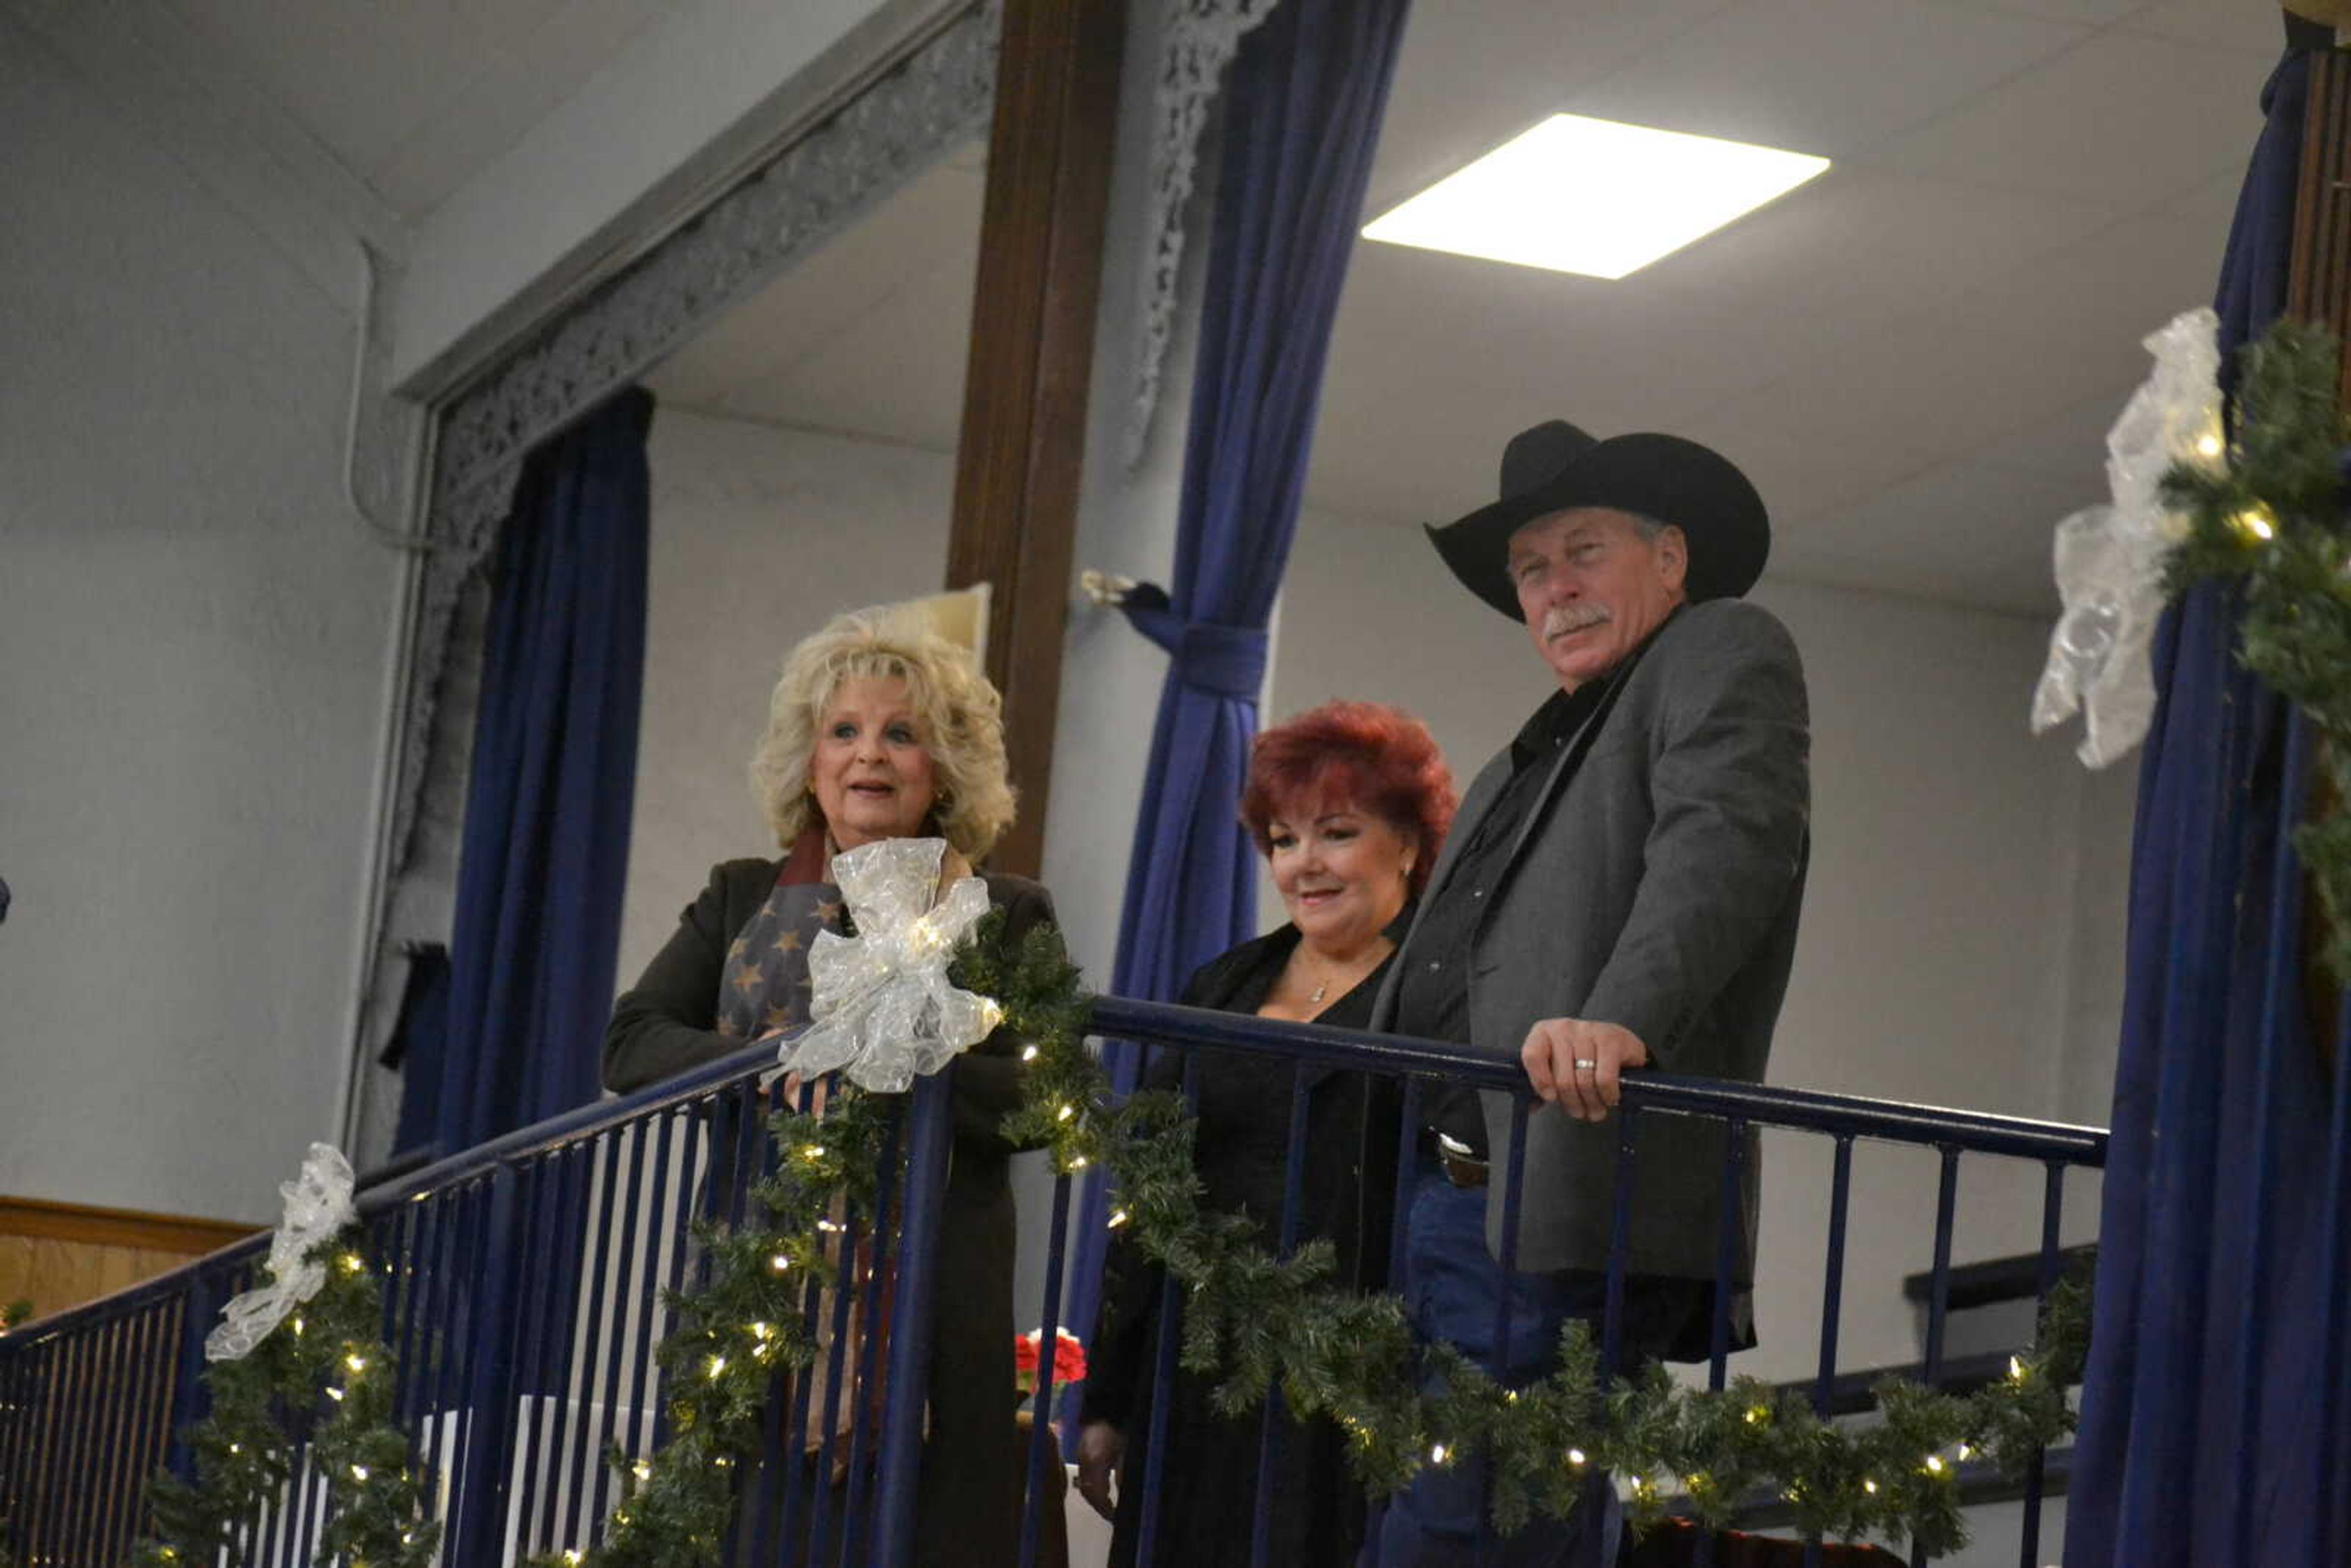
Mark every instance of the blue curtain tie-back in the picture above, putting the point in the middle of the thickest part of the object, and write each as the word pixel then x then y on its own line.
pixel 1227 661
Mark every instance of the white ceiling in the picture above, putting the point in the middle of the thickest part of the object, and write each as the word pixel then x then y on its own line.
pixel 415 96
pixel 1914 356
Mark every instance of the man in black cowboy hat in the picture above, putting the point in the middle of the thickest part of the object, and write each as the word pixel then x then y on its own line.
pixel 1620 890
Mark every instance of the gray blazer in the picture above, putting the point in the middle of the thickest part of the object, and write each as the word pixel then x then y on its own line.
pixel 1658 889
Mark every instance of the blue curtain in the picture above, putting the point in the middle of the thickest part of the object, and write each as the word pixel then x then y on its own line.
pixel 553 782
pixel 2213 1410
pixel 1302 111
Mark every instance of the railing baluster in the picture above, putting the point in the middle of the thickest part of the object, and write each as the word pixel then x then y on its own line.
pixel 1620 1239
pixel 81 1381
pixel 1040 1429
pixel 305 1492
pixel 147 1328
pixel 1407 1178
pixel 794 1463
pixel 584 1469
pixel 869 1370
pixel 478 1530
pixel 641 1382
pixel 404 1270
pixel 1268 1427
pixel 16 1367
pixel 105 1418
pixel 2334 1493
pixel 929 1127
pixel 836 1368
pixel 1163 1373
pixel 574 1174
pixel 629 1245
pixel 1728 1231
pixel 537 1173
pixel 750 1154
pixel 155 1403
pixel 1832 1293
pixel 1729 1227
pixel 1939 1301
pixel 2052 1209
pixel 1506 1282
pixel 444 1281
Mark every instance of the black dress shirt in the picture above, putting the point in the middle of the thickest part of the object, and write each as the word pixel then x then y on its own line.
pixel 1433 995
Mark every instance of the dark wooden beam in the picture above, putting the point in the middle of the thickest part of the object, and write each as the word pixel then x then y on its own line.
pixel 1022 446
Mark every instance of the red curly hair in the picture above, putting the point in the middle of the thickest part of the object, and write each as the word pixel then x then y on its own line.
pixel 1365 757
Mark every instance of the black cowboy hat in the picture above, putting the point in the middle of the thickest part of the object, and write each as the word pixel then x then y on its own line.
pixel 1555 467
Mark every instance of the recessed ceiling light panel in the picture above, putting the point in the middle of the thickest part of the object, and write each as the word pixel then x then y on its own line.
pixel 1594 197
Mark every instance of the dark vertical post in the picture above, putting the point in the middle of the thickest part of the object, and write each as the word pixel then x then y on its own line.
pixel 2052 1209
pixel 1832 1293
pixel 869 1369
pixel 1620 1239
pixel 930 1125
pixel 1018 457
pixel 1162 1370
pixel 1938 1301
pixel 1040 1432
pixel 2334 1492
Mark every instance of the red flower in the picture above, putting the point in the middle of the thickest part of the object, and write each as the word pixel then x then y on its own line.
pixel 1069 1358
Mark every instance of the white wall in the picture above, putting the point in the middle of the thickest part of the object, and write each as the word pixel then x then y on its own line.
pixel 1935 963
pixel 759 536
pixel 193 634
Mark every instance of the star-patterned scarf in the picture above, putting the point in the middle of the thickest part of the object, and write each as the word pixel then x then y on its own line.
pixel 765 986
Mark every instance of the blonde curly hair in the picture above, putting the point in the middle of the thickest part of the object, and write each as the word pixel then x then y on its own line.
pixel 959 714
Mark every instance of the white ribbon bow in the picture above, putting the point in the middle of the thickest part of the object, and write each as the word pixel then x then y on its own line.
pixel 2110 558
pixel 881 1005
pixel 318 1206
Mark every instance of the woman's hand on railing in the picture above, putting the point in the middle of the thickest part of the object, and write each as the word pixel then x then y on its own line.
pixel 1102 1449
pixel 790 1086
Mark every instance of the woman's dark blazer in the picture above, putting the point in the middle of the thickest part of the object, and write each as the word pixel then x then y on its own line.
pixel 969 1510
pixel 1240 1151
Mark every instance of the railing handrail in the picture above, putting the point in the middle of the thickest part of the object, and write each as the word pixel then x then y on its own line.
pixel 1166 1023
pixel 1980 1132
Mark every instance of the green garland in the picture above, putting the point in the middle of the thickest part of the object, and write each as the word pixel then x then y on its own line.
pixel 2268 519
pixel 245 1457
pixel 1251 1316
pixel 733 1336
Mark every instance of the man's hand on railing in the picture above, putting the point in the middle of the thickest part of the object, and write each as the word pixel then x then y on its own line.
pixel 1101 1448
pixel 1579 1064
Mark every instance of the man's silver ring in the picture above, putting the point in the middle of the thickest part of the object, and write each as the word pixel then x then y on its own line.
pixel 1584 1064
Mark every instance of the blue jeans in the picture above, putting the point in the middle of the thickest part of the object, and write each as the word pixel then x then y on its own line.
pixel 1451 1287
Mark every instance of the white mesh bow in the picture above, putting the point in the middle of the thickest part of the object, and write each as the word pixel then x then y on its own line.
pixel 2109 558
pixel 318 1206
pixel 881 1005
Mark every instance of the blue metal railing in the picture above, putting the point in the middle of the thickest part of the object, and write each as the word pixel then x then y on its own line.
pixel 524 1299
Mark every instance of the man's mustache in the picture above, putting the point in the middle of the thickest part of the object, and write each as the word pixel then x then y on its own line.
pixel 1562 618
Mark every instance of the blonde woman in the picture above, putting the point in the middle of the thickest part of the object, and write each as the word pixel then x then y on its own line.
pixel 874 732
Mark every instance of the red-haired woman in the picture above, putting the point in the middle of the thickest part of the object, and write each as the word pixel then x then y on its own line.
pixel 1349 803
